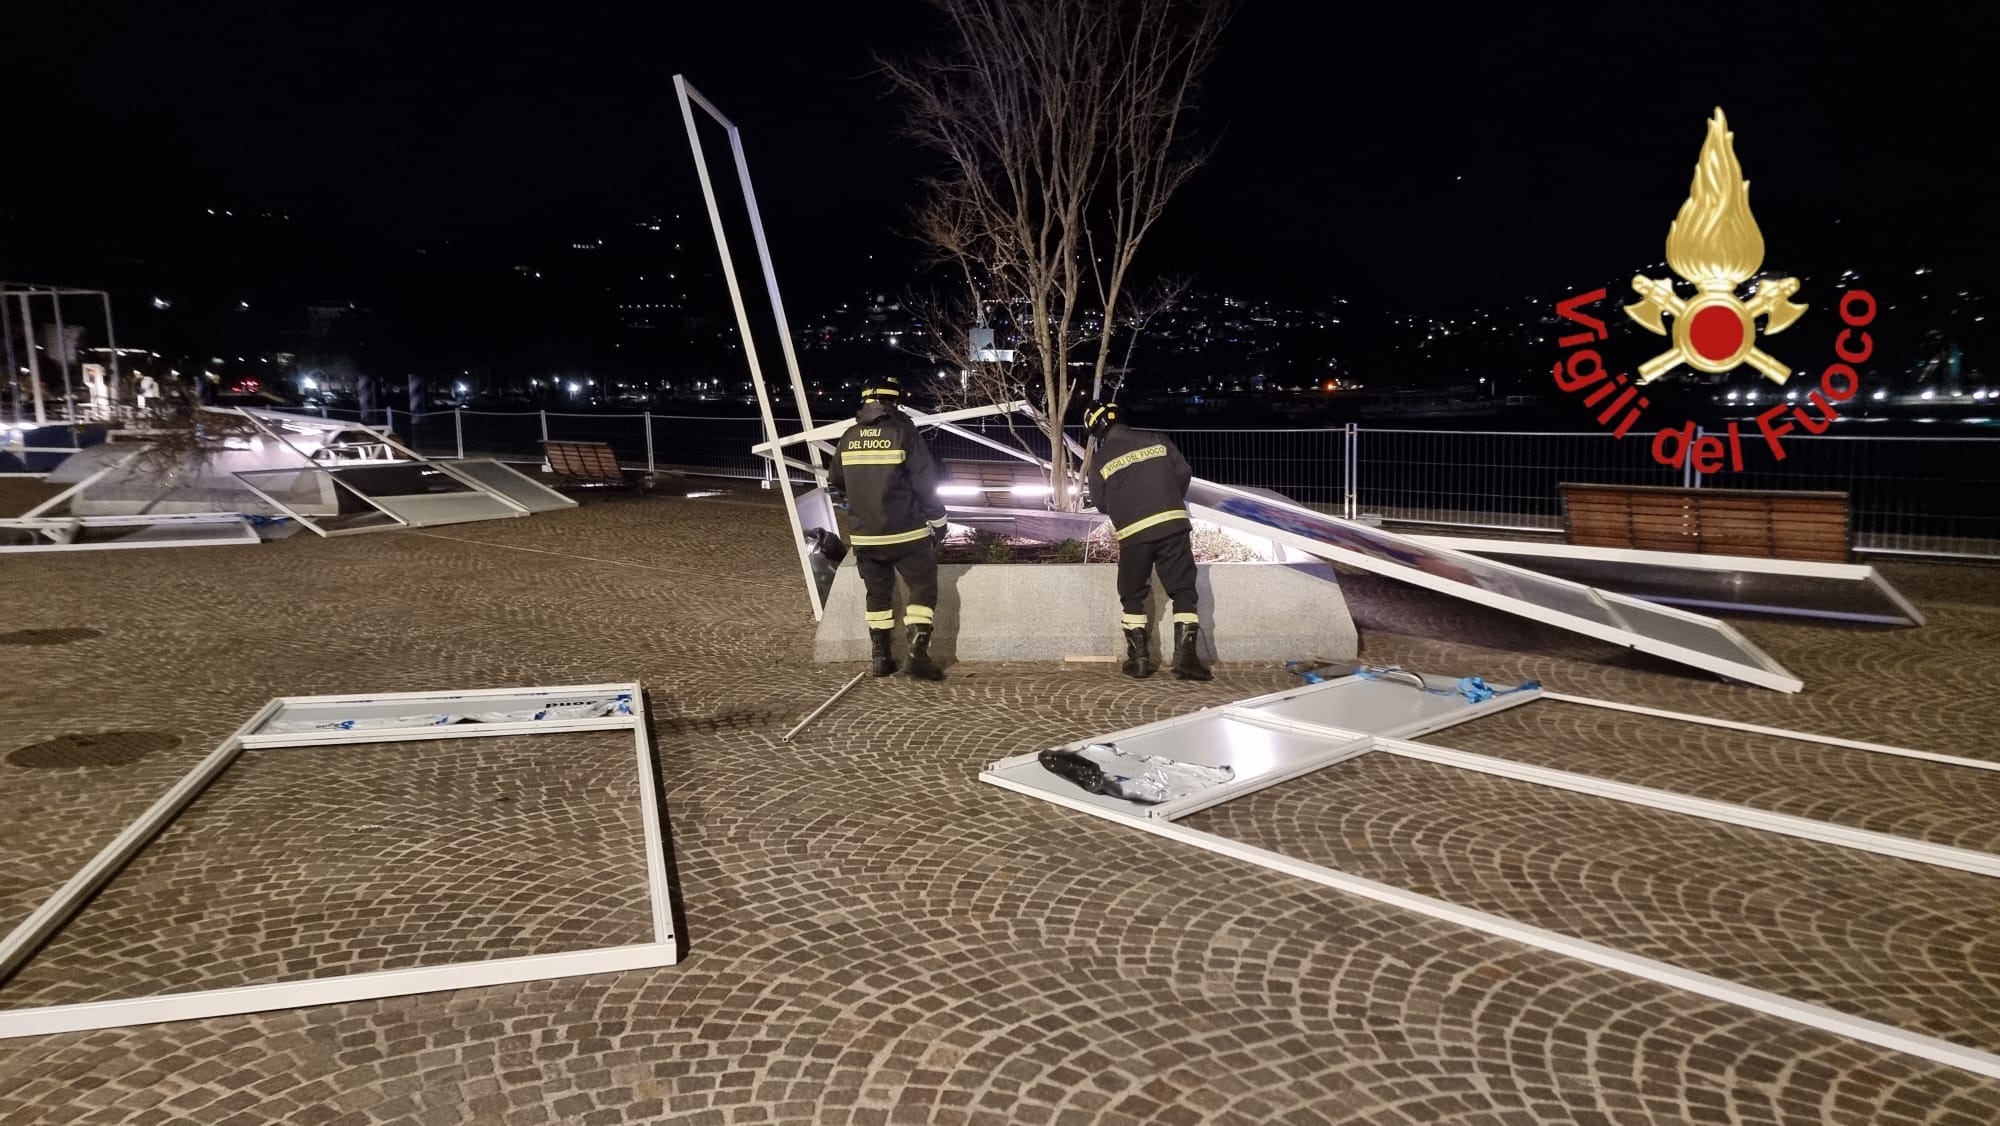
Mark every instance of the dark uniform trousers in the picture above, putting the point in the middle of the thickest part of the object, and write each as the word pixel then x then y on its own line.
pixel 879 566
pixel 1173 556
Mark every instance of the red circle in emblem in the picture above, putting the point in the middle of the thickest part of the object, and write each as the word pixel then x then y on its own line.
pixel 1716 333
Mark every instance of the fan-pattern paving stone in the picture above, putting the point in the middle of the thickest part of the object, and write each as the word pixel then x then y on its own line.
pixel 874 937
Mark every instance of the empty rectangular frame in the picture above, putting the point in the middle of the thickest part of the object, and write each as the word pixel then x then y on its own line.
pixel 327 713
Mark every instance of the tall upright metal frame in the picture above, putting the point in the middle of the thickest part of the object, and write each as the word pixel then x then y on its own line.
pixel 23 297
pixel 689 97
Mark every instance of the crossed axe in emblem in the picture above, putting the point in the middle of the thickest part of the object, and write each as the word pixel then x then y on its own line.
pixel 1772 299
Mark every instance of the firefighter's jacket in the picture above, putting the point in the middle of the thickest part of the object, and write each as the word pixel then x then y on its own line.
pixel 1140 480
pixel 891 483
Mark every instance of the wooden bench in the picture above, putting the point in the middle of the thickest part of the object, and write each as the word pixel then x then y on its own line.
pixel 994 479
pixel 584 463
pixel 1767 524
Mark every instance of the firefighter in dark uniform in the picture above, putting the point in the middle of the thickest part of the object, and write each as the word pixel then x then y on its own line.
pixel 1140 480
pixel 895 522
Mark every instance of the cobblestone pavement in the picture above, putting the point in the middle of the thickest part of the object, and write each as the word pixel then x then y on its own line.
pixel 874 937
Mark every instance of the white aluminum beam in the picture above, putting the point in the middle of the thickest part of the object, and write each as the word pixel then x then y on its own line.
pixel 833 430
pixel 1779 732
pixel 1824 832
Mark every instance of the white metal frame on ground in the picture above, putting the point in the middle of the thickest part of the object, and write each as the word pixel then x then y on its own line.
pixel 1683 560
pixel 205 523
pixel 1344 745
pixel 662 950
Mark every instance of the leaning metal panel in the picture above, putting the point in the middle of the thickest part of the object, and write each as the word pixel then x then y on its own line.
pixel 1849 592
pixel 1676 635
pixel 319 500
pixel 662 950
pixel 510 483
pixel 424 495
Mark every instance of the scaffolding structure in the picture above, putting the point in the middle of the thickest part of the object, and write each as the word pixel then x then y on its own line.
pixel 24 306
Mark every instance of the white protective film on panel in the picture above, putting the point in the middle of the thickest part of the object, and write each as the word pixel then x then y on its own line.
pixel 1686 638
pixel 1392 702
pixel 510 483
pixel 625 713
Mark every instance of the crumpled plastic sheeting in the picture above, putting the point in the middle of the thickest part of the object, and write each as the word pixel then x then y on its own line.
pixel 589 709
pixel 1149 779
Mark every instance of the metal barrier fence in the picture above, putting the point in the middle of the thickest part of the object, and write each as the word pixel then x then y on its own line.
pixel 1923 496
pixel 1910 495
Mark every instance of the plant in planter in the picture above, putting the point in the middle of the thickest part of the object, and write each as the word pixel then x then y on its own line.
pixel 992 547
pixel 1210 546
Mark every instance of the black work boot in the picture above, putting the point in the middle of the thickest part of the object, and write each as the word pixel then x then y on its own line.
pixel 1138 653
pixel 885 660
pixel 920 655
pixel 1187 663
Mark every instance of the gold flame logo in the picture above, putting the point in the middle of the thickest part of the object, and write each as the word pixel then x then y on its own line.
pixel 1715 246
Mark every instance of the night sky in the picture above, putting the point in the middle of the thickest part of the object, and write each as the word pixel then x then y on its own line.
pixel 1402 153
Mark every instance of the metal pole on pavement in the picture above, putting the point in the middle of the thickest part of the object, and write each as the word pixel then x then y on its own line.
pixel 650 467
pixel 829 703
pixel 458 428
pixel 1352 470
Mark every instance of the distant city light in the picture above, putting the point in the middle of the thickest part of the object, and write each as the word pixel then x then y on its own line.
pixel 162 303
pixel 308 383
pixel 1928 395
pixel 1881 394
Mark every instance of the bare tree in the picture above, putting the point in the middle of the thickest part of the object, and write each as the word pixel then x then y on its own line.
pixel 1061 125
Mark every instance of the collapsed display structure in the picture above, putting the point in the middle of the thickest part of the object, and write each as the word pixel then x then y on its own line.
pixel 333 477
pixel 322 721
pixel 1268 740
pixel 1635 623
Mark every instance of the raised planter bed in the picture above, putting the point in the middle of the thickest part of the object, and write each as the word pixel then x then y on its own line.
pixel 1261 611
